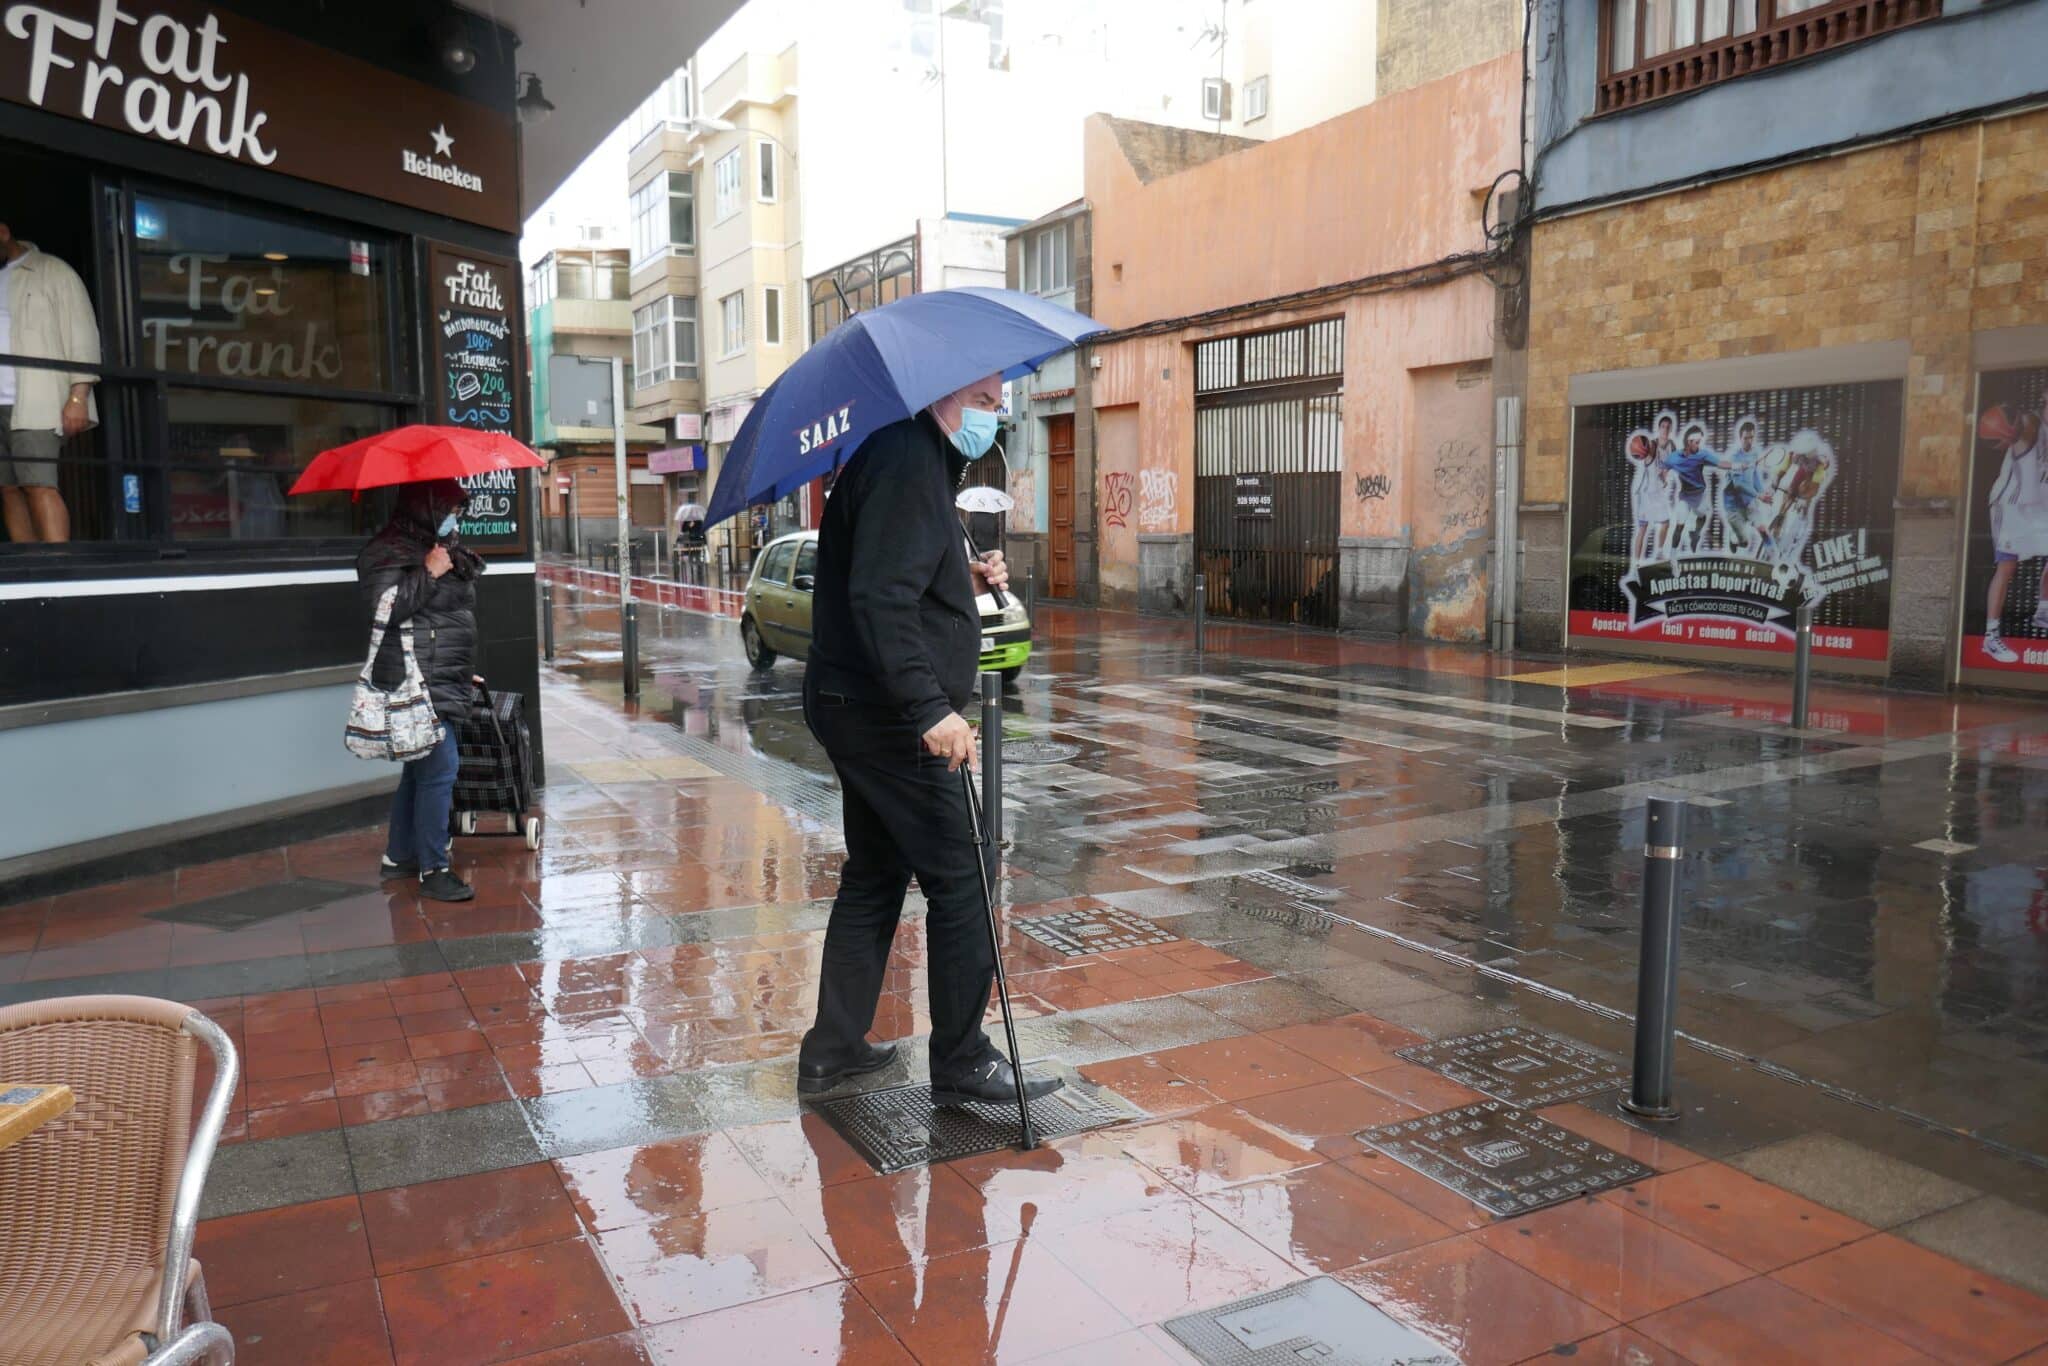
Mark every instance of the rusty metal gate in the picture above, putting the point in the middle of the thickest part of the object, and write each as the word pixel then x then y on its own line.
pixel 1269 460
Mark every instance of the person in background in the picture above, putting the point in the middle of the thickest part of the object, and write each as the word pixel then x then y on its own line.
pixel 44 312
pixel 418 552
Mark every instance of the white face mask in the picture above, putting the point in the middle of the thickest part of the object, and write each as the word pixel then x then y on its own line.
pixel 448 525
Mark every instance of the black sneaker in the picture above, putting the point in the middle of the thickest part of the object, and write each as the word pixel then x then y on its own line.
pixel 816 1078
pixel 992 1080
pixel 443 885
pixel 387 870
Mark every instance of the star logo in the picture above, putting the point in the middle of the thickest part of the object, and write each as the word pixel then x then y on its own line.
pixel 443 143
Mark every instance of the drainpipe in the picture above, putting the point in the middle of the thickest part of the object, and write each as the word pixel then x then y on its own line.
pixel 1507 497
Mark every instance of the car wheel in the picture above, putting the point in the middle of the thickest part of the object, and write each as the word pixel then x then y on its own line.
pixel 758 653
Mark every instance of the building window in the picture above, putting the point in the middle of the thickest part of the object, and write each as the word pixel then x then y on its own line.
pixel 733 316
pixel 664 217
pixel 1654 48
pixel 665 341
pixel 586 275
pixel 1046 268
pixel 725 186
pixel 769 172
pixel 1255 100
pixel 1215 98
pixel 771 315
pixel 669 104
pixel 862 283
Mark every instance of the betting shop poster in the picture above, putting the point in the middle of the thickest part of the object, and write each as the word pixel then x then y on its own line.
pixel 2005 610
pixel 1709 521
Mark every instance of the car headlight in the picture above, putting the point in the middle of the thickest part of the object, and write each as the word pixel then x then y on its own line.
pixel 1014 615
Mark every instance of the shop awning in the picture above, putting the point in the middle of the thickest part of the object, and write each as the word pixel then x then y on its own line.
pixel 596 63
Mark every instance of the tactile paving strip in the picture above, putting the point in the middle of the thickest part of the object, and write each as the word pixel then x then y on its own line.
pixel 1313 1323
pixel 1074 933
pixel 899 1128
pixel 1502 1158
pixel 1524 1067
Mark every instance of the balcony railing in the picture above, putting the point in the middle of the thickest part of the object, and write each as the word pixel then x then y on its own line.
pixel 1783 39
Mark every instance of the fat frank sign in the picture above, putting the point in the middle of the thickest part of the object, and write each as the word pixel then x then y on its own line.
pixel 210 81
pixel 474 381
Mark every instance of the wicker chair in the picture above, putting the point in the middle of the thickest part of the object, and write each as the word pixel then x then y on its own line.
pixel 98 1207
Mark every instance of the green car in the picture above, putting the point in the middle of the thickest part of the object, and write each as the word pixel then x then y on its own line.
pixel 776 619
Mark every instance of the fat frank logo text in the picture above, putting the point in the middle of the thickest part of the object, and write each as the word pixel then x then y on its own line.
pixel 817 435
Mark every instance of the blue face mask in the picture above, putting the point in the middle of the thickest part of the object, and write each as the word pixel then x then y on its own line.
pixel 975 434
pixel 448 525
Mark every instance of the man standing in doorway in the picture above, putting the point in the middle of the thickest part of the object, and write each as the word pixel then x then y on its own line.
pixel 893 660
pixel 45 313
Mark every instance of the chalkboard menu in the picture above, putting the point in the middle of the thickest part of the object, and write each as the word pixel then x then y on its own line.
pixel 474 380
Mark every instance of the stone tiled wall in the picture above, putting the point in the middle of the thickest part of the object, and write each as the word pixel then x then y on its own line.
pixel 1420 40
pixel 1927 240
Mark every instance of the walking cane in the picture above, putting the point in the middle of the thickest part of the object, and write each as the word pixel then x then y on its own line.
pixel 995 943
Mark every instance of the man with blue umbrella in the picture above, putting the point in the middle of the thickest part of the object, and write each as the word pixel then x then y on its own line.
pixel 911 390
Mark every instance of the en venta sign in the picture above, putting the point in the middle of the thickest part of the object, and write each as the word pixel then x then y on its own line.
pixel 213 82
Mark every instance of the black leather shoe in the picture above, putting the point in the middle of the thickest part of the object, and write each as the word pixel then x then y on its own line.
pixel 814 1078
pixel 991 1080
pixel 387 870
pixel 443 885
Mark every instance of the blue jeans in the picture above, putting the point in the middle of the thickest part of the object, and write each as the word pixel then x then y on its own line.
pixel 419 813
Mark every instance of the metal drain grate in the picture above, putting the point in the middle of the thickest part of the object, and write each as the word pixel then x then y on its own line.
pixel 1503 1159
pixel 1292 886
pixel 254 905
pixel 1074 933
pixel 1039 752
pixel 1526 1068
pixel 1317 1322
pixel 900 1128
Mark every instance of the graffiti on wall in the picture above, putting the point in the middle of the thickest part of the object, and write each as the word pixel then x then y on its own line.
pixel 1373 487
pixel 1464 484
pixel 1158 490
pixel 1116 499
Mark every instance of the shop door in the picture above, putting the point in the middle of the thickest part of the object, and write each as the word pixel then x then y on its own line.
pixel 1059 442
pixel 1269 440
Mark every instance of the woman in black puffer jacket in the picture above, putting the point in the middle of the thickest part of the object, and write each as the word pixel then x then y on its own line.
pixel 418 554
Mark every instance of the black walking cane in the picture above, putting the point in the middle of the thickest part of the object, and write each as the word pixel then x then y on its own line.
pixel 1025 1140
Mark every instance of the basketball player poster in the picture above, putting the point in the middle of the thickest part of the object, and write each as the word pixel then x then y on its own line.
pixel 2005 607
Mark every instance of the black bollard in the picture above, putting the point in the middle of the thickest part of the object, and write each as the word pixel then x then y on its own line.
pixel 1201 613
pixel 1031 592
pixel 547 620
pixel 1802 663
pixel 1657 969
pixel 992 769
pixel 629 638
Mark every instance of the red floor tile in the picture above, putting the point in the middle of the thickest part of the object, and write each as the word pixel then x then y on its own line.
pixel 1476 1302
pixel 279 1251
pixel 799 1154
pixel 368 1109
pixel 622 1186
pixel 684 1264
pixel 903 1219
pixel 623 1349
pixel 1421 1088
pixel 1738 1216
pixel 1621 1347
pixel 1167 1258
pixel 469 1216
pixel 1325 1218
pixel 286 1120
pixel 1941 1307
pixel 335 1325
pixel 1351 1044
pixel 1011 1302
pixel 1149 1084
pixel 1067 1181
pixel 491 1308
pixel 1325 1117
pixel 826 1323
pixel 1622 1265
pixel 1650 1149
pixel 1212 1149
pixel 1236 1069
pixel 1764 1320
pixel 1135 1348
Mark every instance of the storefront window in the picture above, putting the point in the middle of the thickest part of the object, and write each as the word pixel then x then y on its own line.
pixel 233 459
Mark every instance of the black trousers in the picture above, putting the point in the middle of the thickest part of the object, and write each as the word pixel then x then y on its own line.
pixel 905 814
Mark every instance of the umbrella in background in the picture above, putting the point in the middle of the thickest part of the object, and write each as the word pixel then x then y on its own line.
pixel 690 512
pixel 981 499
pixel 411 455
pixel 879 367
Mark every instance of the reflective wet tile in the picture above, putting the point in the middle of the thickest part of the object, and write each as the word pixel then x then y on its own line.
pixel 1475 1302
pixel 1326 1117
pixel 1615 1347
pixel 1621 1264
pixel 1738 1216
pixel 1213 1149
pixel 1008 1303
pixel 614 1116
pixel 684 1264
pixel 828 1323
pixel 491 1308
pixel 621 1349
pixel 1149 1084
pixel 1067 1181
pixel 1236 1069
pixel 468 1216
pixel 273 1252
pixel 1352 1044
pixel 621 1186
pixel 1936 1305
pixel 1634 1138
pixel 1871 1186
pixel 404 1152
pixel 799 1154
pixel 1166 1258
pixel 1763 1320
pixel 1325 1218
pixel 1993 1235
pixel 902 1219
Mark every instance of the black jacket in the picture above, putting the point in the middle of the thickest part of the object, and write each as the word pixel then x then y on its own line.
pixel 442 611
pixel 894 617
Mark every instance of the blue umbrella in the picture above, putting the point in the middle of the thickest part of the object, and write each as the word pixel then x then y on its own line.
pixel 880 367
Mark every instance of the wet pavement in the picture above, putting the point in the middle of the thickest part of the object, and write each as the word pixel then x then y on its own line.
pixel 559 1123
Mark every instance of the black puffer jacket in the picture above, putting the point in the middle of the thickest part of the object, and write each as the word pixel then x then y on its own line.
pixel 442 611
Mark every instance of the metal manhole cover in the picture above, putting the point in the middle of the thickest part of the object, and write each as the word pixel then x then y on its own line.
pixel 1074 933
pixel 254 905
pixel 1292 886
pixel 1524 1067
pixel 899 1128
pixel 1502 1158
pixel 1314 1323
pixel 1039 752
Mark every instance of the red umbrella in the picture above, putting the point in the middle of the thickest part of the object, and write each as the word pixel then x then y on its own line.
pixel 411 455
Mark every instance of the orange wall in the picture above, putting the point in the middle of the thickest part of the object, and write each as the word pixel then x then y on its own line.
pixel 1390 185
